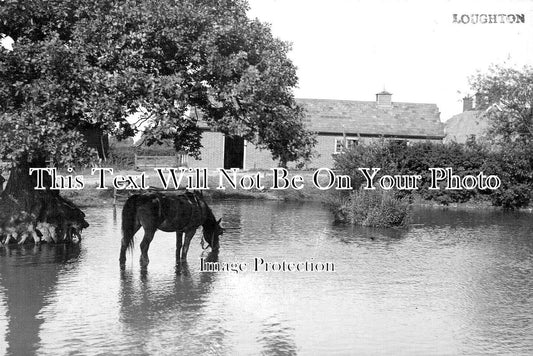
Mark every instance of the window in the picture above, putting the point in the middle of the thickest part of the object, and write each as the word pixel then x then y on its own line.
pixel 401 143
pixel 342 144
pixel 339 145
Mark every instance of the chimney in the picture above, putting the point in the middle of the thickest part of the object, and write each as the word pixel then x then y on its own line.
pixel 384 98
pixel 481 102
pixel 468 103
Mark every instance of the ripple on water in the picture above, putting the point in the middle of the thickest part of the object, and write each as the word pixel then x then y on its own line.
pixel 455 283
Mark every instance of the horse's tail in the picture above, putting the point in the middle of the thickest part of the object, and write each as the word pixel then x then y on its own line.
pixel 129 212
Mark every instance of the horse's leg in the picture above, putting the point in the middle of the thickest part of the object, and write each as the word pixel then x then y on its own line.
pixel 179 236
pixel 126 240
pixel 145 245
pixel 188 237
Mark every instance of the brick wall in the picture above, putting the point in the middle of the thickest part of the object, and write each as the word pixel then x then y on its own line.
pixel 212 154
pixel 257 159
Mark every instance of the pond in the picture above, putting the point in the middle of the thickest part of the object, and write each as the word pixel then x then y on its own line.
pixel 455 283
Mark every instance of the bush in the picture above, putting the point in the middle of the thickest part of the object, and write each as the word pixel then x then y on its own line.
pixel 375 208
pixel 513 164
pixel 121 157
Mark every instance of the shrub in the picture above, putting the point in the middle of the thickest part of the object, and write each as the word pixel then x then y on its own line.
pixel 513 164
pixel 375 208
pixel 121 157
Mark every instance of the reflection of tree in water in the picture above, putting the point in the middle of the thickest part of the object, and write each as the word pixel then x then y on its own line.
pixel 154 309
pixel 465 218
pixel 29 275
pixel 363 236
pixel 436 218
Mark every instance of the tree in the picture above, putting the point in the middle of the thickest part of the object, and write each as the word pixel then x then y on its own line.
pixel 91 64
pixel 511 92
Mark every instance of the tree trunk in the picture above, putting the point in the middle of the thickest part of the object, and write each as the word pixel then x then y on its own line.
pixel 30 215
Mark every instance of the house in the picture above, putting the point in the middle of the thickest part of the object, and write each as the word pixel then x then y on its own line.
pixel 338 124
pixel 469 124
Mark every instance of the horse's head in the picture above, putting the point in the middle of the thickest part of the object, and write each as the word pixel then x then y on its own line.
pixel 73 222
pixel 212 234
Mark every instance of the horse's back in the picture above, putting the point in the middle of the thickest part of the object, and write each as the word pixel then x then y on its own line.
pixel 170 212
pixel 181 212
pixel 141 208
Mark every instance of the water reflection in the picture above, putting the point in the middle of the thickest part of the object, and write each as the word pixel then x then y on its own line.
pixel 470 218
pixel 26 284
pixel 455 283
pixel 362 235
pixel 154 306
pixel 277 339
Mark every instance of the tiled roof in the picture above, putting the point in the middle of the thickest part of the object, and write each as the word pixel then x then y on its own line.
pixel 461 126
pixel 367 118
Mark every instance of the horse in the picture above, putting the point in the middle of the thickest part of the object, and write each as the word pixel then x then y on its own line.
pixel 182 213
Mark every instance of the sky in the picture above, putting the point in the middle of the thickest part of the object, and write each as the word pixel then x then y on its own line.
pixel 7 42
pixel 353 49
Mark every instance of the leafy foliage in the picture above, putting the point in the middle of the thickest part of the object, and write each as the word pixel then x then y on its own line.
pixel 374 208
pixel 93 63
pixel 511 92
pixel 514 166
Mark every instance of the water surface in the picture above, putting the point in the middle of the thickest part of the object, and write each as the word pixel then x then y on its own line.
pixel 455 283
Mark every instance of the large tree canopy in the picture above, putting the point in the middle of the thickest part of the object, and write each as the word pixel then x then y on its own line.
pixel 91 64
pixel 87 63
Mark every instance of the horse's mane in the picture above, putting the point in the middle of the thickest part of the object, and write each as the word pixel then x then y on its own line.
pixel 210 219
